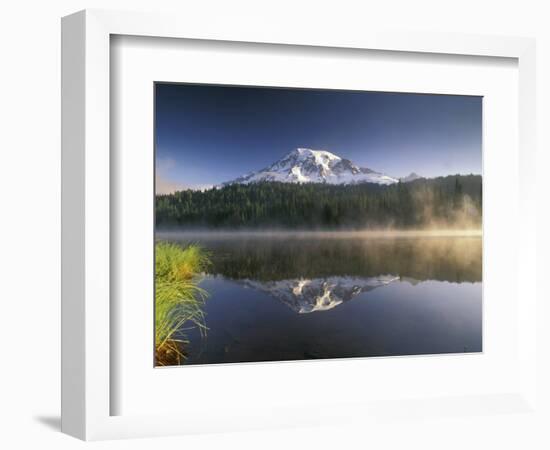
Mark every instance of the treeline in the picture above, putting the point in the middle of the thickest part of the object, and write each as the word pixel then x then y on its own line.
pixel 442 202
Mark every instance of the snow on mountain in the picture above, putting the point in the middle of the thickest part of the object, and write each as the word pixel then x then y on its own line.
pixel 304 165
pixel 411 177
pixel 320 294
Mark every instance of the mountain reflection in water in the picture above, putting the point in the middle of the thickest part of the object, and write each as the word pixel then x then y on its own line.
pixel 285 297
pixel 321 294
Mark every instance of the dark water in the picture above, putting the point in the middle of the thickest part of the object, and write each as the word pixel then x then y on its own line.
pixel 294 298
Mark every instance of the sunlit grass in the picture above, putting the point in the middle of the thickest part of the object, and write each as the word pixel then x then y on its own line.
pixel 178 298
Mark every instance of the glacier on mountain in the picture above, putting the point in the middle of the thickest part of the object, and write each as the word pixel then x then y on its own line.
pixel 304 165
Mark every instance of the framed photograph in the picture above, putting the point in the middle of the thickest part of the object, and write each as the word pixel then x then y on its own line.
pixel 308 253
pixel 252 217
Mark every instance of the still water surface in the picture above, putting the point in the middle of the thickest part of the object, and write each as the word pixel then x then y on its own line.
pixel 295 297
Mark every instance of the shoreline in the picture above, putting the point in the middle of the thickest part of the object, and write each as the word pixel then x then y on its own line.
pixel 290 234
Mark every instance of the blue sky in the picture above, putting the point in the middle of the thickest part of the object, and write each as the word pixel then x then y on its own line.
pixel 209 134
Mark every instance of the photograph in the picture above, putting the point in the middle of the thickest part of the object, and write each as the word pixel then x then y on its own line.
pixel 299 224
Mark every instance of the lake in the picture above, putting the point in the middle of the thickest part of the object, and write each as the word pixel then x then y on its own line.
pixel 296 296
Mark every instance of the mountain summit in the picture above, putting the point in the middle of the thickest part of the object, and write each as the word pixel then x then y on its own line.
pixel 411 177
pixel 304 165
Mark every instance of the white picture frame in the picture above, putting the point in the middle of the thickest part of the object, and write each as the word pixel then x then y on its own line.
pixel 86 216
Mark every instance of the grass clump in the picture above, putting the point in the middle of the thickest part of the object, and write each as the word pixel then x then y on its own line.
pixel 178 298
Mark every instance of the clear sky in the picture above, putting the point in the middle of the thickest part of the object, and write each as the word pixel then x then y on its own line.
pixel 206 135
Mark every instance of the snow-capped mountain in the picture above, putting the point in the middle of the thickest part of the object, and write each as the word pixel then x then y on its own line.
pixel 304 165
pixel 320 294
